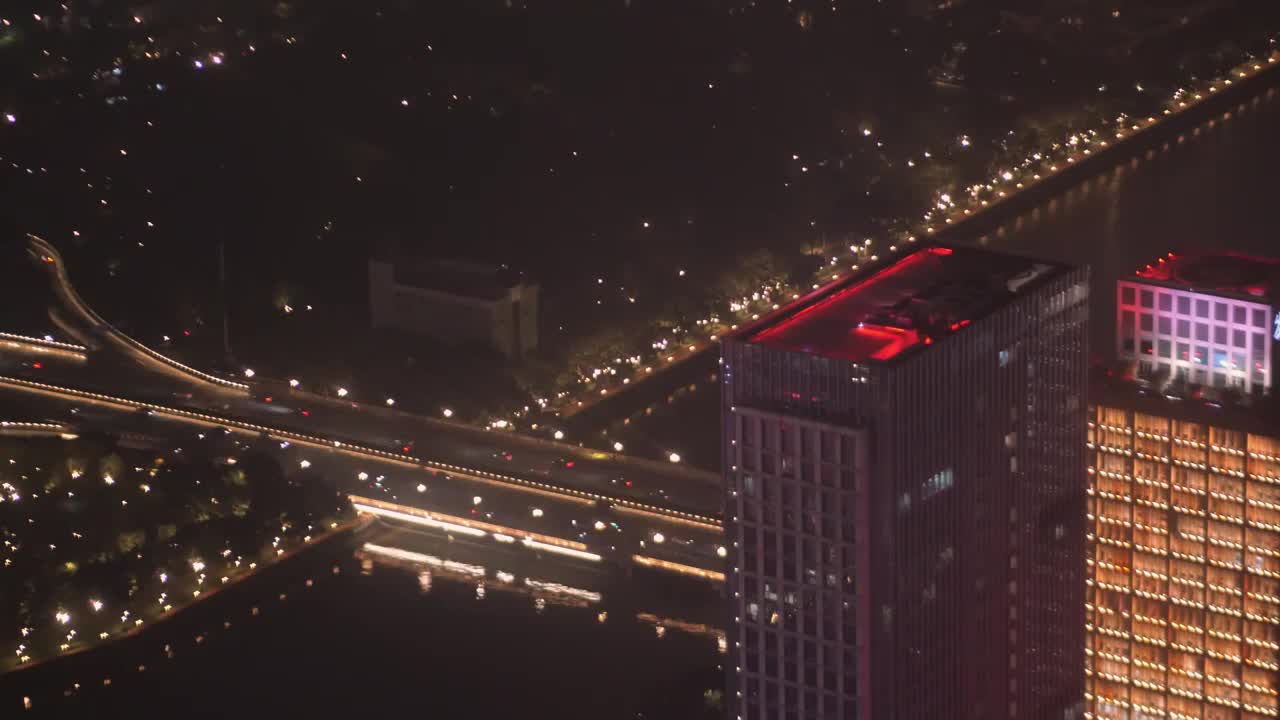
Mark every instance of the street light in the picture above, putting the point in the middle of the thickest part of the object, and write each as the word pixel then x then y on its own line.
pixel 476 500
pixel 304 464
pixel 248 372
pixel 342 392
pixel 391 401
pixel 720 551
pixel 559 435
pixel 674 457
pixel 293 382
pixel 617 447
pixel 659 538
pixel 447 413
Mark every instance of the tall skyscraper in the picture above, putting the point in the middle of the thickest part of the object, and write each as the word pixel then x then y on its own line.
pixel 1183 613
pixel 1210 319
pixel 905 478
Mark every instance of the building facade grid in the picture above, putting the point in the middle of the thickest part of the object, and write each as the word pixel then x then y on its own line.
pixel 1206 339
pixel 1183 589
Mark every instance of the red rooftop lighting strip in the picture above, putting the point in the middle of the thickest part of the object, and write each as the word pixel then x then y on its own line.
pixel 771 334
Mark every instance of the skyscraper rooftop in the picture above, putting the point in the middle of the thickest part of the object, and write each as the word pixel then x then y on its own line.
pixel 894 309
pixel 1217 273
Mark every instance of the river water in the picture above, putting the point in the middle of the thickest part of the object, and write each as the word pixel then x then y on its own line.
pixel 395 621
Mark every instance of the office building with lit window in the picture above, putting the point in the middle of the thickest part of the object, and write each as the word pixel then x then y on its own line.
pixel 905 475
pixel 1211 319
pixel 1183 614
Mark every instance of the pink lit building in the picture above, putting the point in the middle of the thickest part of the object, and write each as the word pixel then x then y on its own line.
pixel 1209 319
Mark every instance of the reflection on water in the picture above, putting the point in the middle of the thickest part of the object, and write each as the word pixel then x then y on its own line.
pixel 450 569
pixel 398 617
pixel 1208 187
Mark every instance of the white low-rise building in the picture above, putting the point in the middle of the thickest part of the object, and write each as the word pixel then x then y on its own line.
pixel 456 302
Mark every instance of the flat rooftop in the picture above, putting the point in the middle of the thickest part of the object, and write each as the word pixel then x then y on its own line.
pixel 1216 273
pixel 465 279
pixel 1257 413
pixel 881 313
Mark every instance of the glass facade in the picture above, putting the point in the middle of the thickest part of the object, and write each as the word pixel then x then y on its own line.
pixel 1211 340
pixel 1183 589
pixel 905 535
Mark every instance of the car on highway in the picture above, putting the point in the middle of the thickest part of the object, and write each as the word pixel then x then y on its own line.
pixel 502 455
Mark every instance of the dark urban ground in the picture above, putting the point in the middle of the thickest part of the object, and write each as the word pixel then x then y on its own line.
pixel 602 147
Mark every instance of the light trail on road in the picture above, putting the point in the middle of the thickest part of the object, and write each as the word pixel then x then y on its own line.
pixel 215 421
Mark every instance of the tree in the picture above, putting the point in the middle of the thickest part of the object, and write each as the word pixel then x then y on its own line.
pixel 131 541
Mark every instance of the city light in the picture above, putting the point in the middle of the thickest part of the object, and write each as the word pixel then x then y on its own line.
pixel 342 392
pixel 248 372
pixel 293 382
pixel 617 447
pixel 674 457
pixel 447 412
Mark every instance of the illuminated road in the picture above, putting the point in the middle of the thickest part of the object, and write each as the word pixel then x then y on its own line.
pixel 542 518
pixel 122 363
pixel 483 486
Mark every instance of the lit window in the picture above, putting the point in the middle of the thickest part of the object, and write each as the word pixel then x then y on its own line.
pixel 936 483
